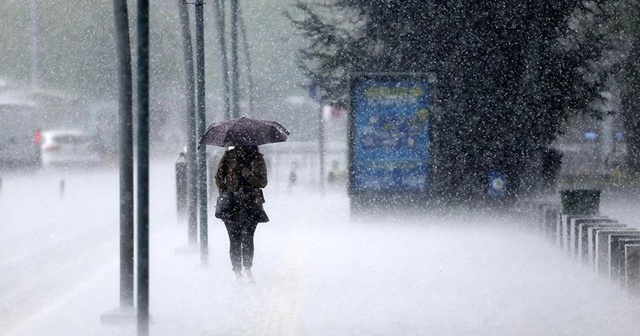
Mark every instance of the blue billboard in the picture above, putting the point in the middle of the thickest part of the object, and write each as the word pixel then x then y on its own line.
pixel 389 134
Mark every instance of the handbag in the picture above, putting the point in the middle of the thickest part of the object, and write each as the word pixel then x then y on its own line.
pixel 257 210
pixel 261 215
pixel 225 205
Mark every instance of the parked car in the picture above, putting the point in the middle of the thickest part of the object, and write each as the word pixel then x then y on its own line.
pixel 68 148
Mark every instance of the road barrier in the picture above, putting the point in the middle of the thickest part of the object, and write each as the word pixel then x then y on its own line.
pixel 577 228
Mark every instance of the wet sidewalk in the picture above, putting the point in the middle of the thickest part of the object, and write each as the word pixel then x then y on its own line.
pixel 318 273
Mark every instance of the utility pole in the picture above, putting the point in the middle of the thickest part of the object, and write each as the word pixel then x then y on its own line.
pixel 201 125
pixel 192 171
pixel 314 92
pixel 125 115
pixel 125 108
pixel 35 44
pixel 235 85
pixel 247 59
pixel 321 139
pixel 143 167
pixel 218 7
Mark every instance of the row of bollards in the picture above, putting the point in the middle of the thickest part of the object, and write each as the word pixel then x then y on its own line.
pixel 609 248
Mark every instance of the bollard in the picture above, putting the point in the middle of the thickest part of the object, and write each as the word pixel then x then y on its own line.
pixel 181 185
pixel 61 188
pixel 576 203
pixel 575 228
pixel 632 268
pixel 617 245
pixel 562 231
pixel 591 239
pixel 565 235
pixel 602 255
pixel 585 235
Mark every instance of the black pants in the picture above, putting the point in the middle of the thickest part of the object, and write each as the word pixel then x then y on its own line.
pixel 241 243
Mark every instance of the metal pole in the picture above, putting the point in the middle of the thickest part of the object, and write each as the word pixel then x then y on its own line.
pixel 247 59
pixel 218 7
pixel 321 147
pixel 235 85
pixel 192 203
pixel 125 109
pixel 143 167
pixel 201 124
pixel 35 44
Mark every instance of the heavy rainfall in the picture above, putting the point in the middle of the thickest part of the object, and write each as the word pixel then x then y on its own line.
pixel 451 167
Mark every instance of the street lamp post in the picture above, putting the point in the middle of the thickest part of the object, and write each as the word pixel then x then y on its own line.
pixel 200 127
pixel 35 44
pixel 143 168
pixel 220 26
pixel 192 171
pixel 235 74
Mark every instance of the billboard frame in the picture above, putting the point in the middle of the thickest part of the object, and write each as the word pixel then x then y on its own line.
pixel 390 199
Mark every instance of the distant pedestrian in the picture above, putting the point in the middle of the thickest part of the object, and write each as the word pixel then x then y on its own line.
pixel 293 176
pixel 332 178
pixel 241 175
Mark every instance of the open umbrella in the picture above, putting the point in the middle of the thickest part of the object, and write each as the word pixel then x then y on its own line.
pixel 244 132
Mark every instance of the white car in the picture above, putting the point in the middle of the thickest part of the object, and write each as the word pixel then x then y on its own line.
pixel 68 148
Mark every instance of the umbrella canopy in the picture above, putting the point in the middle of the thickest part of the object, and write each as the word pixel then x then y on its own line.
pixel 244 132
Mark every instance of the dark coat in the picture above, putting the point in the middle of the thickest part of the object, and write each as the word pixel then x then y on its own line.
pixel 244 173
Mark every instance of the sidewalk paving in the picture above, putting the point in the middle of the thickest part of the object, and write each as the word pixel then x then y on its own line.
pixel 318 273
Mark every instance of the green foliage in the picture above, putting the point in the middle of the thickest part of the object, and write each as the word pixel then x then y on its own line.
pixel 506 84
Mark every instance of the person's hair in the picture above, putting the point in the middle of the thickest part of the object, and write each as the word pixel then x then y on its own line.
pixel 248 151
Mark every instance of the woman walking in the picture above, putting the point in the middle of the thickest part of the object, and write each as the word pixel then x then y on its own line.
pixel 241 175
